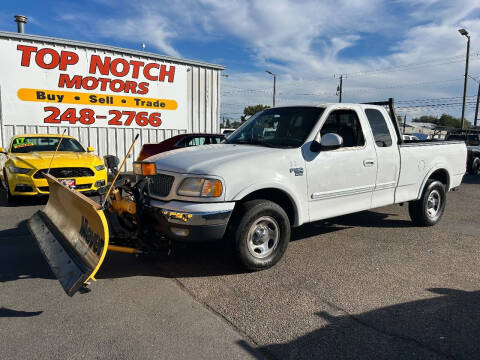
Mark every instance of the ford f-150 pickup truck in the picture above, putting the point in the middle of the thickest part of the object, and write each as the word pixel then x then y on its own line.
pixel 288 166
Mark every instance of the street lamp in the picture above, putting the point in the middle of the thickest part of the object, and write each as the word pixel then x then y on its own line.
pixel 274 82
pixel 464 32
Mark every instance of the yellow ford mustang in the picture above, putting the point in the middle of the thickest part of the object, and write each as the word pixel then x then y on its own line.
pixel 29 156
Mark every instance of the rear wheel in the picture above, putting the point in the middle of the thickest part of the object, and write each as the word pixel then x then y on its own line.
pixel 261 231
pixel 429 209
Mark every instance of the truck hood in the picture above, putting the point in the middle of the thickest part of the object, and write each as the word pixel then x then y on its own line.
pixel 41 159
pixel 211 159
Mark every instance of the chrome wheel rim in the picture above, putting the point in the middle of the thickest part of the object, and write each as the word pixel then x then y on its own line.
pixel 263 237
pixel 433 203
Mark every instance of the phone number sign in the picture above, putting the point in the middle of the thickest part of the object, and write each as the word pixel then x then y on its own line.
pixel 80 87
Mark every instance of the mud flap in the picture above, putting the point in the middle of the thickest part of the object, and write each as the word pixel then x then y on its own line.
pixel 72 234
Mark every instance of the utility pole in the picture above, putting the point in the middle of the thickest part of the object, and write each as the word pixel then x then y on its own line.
pixel 478 99
pixel 340 89
pixel 476 107
pixel 404 123
pixel 464 32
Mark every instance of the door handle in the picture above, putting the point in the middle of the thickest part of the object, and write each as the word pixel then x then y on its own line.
pixel 368 163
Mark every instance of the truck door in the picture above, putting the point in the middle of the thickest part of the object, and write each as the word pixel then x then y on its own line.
pixel 388 157
pixel 341 181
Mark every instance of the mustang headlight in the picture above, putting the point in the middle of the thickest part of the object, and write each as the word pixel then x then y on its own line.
pixel 18 170
pixel 200 187
pixel 99 167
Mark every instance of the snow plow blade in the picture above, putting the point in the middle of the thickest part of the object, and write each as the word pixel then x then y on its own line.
pixel 72 234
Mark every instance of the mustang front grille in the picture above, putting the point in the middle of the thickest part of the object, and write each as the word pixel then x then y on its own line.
pixel 65 172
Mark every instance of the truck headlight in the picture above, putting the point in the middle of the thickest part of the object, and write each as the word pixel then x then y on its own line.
pixel 100 167
pixel 200 187
pixel 18 170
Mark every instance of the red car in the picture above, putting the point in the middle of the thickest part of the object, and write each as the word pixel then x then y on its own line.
pixel 178 142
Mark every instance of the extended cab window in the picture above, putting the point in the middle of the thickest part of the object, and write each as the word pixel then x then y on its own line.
pixel 379 127
pixel 346 124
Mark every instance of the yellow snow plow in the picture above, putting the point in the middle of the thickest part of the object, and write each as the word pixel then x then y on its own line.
pixel 72 233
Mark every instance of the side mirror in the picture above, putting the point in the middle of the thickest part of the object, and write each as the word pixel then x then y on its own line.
pixel 2 150
pixel 90 149
pixel 111 162
pixel 329 141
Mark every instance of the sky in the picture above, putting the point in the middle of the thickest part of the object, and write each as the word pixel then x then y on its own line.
pixel 406 49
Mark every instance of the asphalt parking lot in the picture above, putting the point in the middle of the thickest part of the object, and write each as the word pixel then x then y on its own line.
pixel 368 285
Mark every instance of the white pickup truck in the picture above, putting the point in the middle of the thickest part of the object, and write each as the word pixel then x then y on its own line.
pixel 288 166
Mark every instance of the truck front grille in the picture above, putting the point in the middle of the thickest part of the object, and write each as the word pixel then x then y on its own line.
pixel 161 185
pixel 65 172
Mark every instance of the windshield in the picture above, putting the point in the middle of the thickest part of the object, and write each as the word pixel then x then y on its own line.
pixel 278 127
pixel 31 144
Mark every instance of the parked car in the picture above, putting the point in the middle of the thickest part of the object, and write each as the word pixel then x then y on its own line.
pixel 178 142
pixel 317 162
pixel 29 156
pixel 472 140
pixel 409 137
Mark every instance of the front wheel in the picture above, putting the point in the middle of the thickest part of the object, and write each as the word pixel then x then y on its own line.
pixel 429 209
pixel 10 198
pixel 261 232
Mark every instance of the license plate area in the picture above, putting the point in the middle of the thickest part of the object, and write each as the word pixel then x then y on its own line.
pixel 68 182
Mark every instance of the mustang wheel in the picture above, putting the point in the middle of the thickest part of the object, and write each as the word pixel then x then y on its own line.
pixel 10 198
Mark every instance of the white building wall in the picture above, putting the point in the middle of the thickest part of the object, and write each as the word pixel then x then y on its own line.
pixel 203 89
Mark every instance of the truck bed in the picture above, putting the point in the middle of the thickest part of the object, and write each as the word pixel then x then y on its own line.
pixel 420 158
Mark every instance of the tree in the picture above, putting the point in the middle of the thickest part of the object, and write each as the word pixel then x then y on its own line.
pixel 445 120
pixel 252 110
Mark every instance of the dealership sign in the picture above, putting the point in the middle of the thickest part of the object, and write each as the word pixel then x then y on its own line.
pixel 45 85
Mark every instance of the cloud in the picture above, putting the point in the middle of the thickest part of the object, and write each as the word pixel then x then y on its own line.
pixel 152 30
pixel 304 42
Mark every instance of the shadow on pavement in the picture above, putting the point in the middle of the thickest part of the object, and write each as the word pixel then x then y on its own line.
pixel 21 200
pixel 444 327
pixel 20 257
pixel 4 312
pixel 217 259
pixel 471 179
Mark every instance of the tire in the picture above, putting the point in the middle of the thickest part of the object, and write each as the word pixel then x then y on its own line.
pixel 10 198
pixel 429 209
pixel 475 166
pixel 261 233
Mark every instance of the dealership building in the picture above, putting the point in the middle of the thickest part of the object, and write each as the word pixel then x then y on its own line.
pixel 103 95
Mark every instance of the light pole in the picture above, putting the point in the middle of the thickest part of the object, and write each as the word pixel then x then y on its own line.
pixel 464 32
pixel 274 84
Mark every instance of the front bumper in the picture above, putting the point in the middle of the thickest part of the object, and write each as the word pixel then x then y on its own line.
pixel 26 185
pixel 187 221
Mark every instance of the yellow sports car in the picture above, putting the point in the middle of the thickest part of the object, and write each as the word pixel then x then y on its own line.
pixel 30 156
